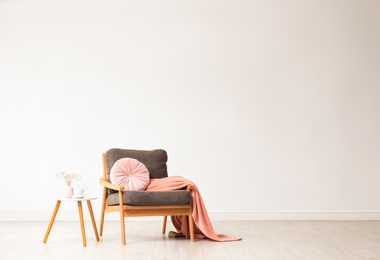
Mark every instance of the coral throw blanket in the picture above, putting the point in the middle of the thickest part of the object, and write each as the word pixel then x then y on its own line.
pixel 202 223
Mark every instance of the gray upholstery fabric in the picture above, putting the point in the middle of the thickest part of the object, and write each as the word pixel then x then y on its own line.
pixel 155 162
pixel 140 198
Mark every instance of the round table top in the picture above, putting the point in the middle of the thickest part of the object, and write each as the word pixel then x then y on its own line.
pixel 75 198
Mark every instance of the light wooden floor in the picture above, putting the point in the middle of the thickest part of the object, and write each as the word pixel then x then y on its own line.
pixel 262 240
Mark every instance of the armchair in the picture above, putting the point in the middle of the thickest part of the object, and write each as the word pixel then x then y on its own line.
pixel 143 203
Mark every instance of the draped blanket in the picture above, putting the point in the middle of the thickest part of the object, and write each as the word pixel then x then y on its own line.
pixel 202 224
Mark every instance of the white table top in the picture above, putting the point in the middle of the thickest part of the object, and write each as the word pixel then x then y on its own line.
pixel 75 199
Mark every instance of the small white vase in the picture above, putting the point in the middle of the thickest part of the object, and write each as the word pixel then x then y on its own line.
pixel 69 191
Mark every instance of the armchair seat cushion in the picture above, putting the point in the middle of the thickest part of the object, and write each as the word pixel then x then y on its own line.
pixel 142 198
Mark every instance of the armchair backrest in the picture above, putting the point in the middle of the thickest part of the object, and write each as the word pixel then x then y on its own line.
pixel 154 160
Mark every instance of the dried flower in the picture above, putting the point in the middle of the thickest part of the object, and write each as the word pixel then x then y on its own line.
pixel 68 177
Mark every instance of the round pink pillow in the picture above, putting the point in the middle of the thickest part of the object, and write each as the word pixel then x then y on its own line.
pixel 130 173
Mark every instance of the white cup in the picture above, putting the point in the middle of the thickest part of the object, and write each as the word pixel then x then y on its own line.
pixel 78 192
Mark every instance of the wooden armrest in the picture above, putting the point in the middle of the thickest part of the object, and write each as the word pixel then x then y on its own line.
pixel 109 185
pixel 189 187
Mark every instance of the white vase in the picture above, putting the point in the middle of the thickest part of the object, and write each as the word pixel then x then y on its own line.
pixel 69 191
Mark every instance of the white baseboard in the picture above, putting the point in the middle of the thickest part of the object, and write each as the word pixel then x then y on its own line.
pixel 292 215
pixel 72 215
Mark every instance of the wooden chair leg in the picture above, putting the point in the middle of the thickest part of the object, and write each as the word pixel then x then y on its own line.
pixel 122 228
pixel 122 224
pixel 164 224
pixel 191 227
pixel 102 212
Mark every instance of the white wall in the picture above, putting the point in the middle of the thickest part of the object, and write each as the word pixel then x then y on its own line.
pixel 270 107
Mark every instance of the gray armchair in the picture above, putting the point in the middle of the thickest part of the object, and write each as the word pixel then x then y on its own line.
pixel 143 203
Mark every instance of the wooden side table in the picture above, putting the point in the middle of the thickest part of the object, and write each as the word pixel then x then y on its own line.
pixel 80 211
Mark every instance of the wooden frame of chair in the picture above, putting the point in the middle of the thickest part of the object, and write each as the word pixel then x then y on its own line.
pixel 139 211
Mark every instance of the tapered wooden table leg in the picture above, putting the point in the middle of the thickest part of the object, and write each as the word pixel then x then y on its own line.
pixel 80 211
pixel 92 219
pixel 52 220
